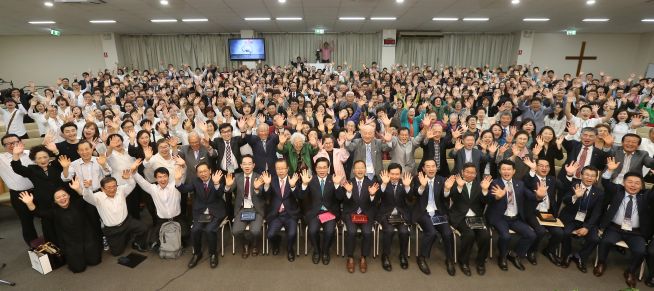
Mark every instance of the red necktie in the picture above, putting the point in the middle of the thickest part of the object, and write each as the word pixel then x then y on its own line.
pixel 247 187
pixel 282 187
pixel 582 161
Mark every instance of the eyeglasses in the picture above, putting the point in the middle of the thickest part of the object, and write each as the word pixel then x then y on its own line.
pixel 225 131
pixel 12 143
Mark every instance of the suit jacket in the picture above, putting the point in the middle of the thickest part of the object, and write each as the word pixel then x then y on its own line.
pixel 263 155
pixel 219 145
pixel 591 202
pixel 422 199
pixel 359 199
pixel 188 154
pixel 358 149
pixel 389 199
pixel 404 154
pixel 274 196
pixel 496 208
pixel 644 201
pixel 463 201
pixel 214 200
pixel 478 158
pixel 238 192
pixel 639 159
pixel 428 153
pixel 574 148
pixel 316 199
pixel 532 184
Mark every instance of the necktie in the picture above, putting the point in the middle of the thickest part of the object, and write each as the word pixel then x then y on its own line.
pixel 247 188
pixel 584 202
pixel 281 188
pixel 629 208
pixel 509 193
pixel 368 155
pixel 437 153
pixel 154 139
pixel 395 190
pixel 582 161
pixel 206 188
pixel 197 153
pixel 359 188
pixel 322 186
pixel 264 145
pixel 469 187
pixel 228 152
pixel 431 202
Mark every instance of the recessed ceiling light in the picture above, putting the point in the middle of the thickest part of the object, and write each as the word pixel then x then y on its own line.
pixel 648 20
pixel 352 18
pixel 399 1
pixel 383 18
pixel 289 18
pixel 163 20
pixel 590 2
pixel 515 2
pixel 444 19
pixel 282 1
pixel 48 4
pixel 257 18
pixel 102 21
pixel 195 20
pixel 42 22
pixel 164 2
pixel 475 19
pixel 535 19
pixel 595 20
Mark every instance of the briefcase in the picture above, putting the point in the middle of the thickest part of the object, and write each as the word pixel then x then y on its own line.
pixel 475 222
pixel 359 218
pixel 248 215
pixel 438 219
pixel 547 217
pixel 395 219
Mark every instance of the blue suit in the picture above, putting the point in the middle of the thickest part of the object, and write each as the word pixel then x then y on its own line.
pixel 287 217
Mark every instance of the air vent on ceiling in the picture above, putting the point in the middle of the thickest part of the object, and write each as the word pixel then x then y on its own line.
pixel 431 34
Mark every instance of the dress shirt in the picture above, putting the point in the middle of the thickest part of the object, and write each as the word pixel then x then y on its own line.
pixel 626 165
pixel 619 216
pixel 17 126
pixel 166 199
pixel 511 208
pixel 356 184
pixel 90 170
pixel 223 164
pixel 156 162
pixel 119 161
pixel 112 210
pixel 12 180
pixel 468 155
pixel 247 201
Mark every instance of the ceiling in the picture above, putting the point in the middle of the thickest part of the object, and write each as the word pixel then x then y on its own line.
pixel 133 16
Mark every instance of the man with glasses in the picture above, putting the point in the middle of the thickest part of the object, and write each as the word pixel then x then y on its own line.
pixel 16 184
pixel 228 153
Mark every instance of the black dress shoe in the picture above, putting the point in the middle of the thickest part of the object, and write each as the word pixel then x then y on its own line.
pixel 386 263
pixel 630 279
pixel 531 257
pixel 213 261
pixel 139 247
pixel 194 260
pixel 517 262
pixel 465 268
pixel 581 265
pixel 404 262
pixel 649 282
pixel 451 269
pixel 481 269
pixel 552 257
pixel 598 271
pixel 275 251
pixel 291 256
pixel 565 263
pixel 246 251
pixel 422 264
pixel 325 258
pixel 501 262
pixel 315 258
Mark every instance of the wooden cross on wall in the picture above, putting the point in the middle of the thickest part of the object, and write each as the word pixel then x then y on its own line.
pixel 581 57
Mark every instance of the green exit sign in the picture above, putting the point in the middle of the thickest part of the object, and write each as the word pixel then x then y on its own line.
pixel 55 32
pixel 319 31
pixel 571 32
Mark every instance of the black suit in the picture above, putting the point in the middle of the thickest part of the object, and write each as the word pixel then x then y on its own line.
pixel 235 143
pixel 421 217
pixel 211 200
pixel 320 202
pixel 264 157
pixel 462 202
pixel 574 148
pixel 636 238
pixel 359 202
pixel 429 152
pixel 394 198
pixel 278 216
pixel 531 212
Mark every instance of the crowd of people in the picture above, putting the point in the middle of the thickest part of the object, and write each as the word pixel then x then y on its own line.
pixel 343 149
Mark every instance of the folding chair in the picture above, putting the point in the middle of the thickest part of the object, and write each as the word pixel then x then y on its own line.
pixel 297 240
pixel 247 227
pixel 379 233
pixel 621 244
pixel 344 229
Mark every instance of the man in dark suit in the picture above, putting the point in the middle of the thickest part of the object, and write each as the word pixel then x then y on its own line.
pixel 580 215
pixel 506 212
pixel 631 159
pixel 628 218
pixel 283 209
pixel 583 152
pixel 228 149
pixel 395 189
pixel 358 196
pixel 430 212
pixel 197 151
pixel 465 152
pixel 323 210
pixel 248 200
pixel 549 203
pixel 208 210
pixel 434 147
pixel 467 200
pixel 264 148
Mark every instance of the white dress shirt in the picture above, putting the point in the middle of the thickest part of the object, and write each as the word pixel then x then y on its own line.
pixel 166 200
pixel 511 208
pixel 118 162
pixel 156 162
pixel 112 210
pixel 17 126
pixel 12 180
pixel 234 164
pixel 87 171
pixel 247 201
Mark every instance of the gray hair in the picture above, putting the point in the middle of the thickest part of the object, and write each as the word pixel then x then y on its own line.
pixel 298 135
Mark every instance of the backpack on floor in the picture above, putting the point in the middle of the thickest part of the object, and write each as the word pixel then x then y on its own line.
pixel 170 240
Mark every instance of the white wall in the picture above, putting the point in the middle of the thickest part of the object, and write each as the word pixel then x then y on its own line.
pixel 43 59
pixel 617 54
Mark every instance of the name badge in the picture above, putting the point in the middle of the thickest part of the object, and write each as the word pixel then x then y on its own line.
pixel 626 224
pixel 581 216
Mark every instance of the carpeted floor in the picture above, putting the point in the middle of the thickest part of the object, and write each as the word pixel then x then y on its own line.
pixel 276 273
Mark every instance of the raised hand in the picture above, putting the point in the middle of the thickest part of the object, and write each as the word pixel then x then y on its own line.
pixel 492 148
pixel 449 183
pixel 147 152
pixel 572 128
pixel 579 191
pixel 64 161
pixel 126 174
pixel 611 164
pixel 216 177
pixel 19 148
pixel 372 190
pixel 571 168
pixel 179 172
pixel 179 161
pixel 530 163
pixel 458 145
pixel 388 136
pixel 347 186
pixel 102 160
pixel 135 165
pixel 258 182
pixel 229 180
pixel 384 177
pixel 459 181
pixel 75 185
pixel 407 178
pixel 559 141
pixel 423 179
pixel 26 197
pixel 541 191
pixel 485 183
pixel 337 179
pixel 266 177
pixel 498 192
pixel 292 181
pixel 306 177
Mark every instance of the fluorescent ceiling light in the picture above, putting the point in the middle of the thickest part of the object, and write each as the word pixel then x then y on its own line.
pixel 289 18
pixel 163 20
pixel 515 1
pixel 257 18
pixel 444 19
pixel 399 1
pixel 595 20
pixel 535 19
pixel 195 20
pixel 648 20
pixel 383 18
pixel 352 18
pixel 42 22
pixel 282 1
pixel 164 2
pixel 590 2
pixel 475 19
pixel 48 4
pixel 102 21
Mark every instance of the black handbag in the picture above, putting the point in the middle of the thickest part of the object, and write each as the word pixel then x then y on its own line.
pixel 395 219
pixel 248 215
pixel 475 222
